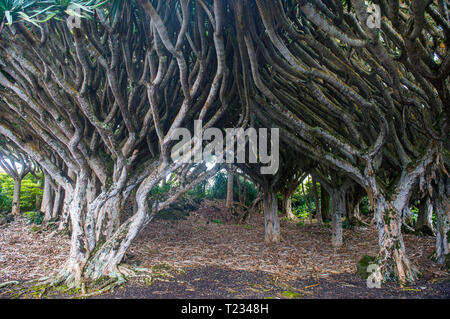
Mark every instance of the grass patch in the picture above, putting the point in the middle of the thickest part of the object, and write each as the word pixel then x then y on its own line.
pixel 292 294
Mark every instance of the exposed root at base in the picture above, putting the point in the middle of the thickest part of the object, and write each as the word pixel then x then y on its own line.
pixel 65 284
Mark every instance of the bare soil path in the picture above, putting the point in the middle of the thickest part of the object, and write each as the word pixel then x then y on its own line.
pixel 228 260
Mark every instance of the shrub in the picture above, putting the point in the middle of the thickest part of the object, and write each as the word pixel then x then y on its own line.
pixel 5 202
pixel 301 212
pixel 29 193
pixel 34 217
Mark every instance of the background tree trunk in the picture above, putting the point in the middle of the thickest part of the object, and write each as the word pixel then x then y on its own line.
pixel 316 200
pixel 58 202
pixel 16 197
pixel 230 182
pixel 272 233
pixel 325 204
pixel 424 222
pixel 338 210
pixel 47 199
pixel 287 205
pixel 353 199
pixel 308 203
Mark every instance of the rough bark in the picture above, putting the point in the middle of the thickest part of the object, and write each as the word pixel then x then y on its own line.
pixel 441 205
pixel 394 262
pixel 72 272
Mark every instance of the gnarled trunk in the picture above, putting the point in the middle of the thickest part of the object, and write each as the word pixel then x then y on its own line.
pixel 108 218
pixel 106 259
pixel 272 233
pixel 108 255
pixel 79 252
pixel 393 260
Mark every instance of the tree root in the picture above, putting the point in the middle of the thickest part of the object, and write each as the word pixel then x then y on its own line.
pixel 9 283
pixel 64 283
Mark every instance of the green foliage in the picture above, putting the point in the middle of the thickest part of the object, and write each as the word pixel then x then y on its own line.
pixel 36 12
pixel 414 213
pixel 5 202
pixel 198 193
pixel 364 206
pixel 217 188
pixel 34 217
pixel 10 10
pixel 292 294
pixel 161 189
pixel 171 214
pixel 29 193
pixel 346 224
pixel 301 212
pixel 304 204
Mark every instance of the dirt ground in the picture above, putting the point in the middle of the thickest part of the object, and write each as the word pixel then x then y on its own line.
pixel 217 259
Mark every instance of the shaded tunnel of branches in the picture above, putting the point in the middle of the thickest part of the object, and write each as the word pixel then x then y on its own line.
pixel 362 109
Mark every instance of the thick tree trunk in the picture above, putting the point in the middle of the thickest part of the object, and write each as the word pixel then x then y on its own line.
pixel 424 222
pixel 325 204
pixel 316 200
pixel 79 253
pixel 338 210
pixel 287 205
pixel 16 197
pixel 393 262
pixel 272 232
pixel 107 257
pixel 108 218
